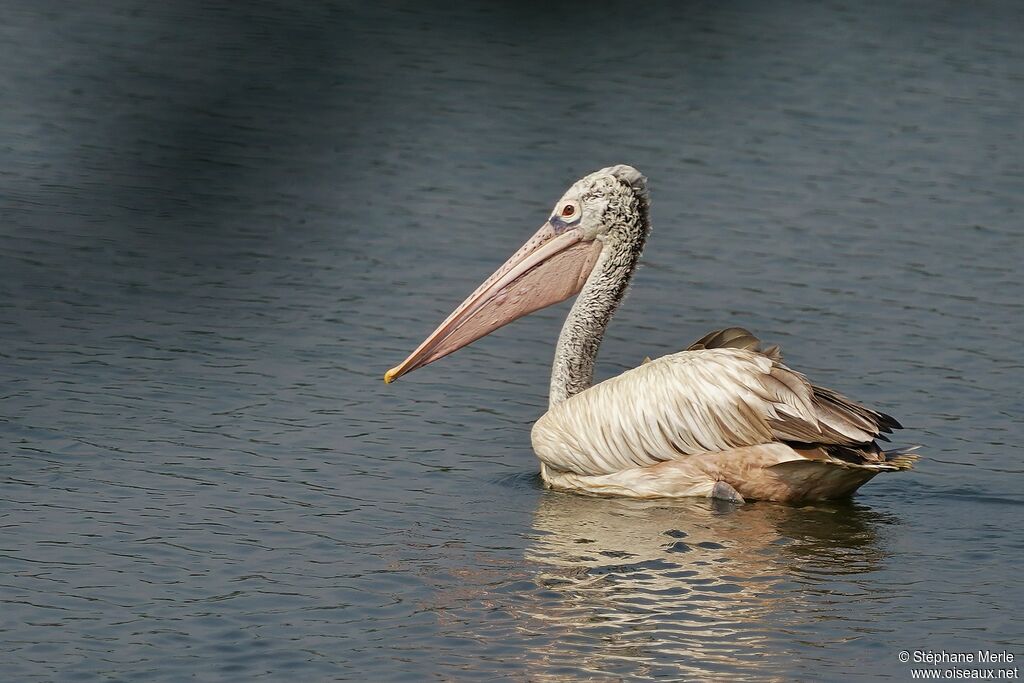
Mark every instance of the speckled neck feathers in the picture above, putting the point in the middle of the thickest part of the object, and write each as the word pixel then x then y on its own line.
pixel 583 331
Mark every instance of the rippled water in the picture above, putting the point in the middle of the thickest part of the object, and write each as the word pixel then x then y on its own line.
pixel 221 225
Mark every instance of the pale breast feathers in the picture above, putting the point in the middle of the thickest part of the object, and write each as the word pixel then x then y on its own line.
pixel 695 402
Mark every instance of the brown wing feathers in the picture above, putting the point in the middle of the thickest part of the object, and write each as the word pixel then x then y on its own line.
pixel 810 416
pixel 735 338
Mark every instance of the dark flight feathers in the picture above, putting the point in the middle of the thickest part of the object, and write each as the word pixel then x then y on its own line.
pixel 844 429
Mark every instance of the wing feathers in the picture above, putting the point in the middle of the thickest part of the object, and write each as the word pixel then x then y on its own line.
pixel 832 414
pixel 703 401
pixel 735 338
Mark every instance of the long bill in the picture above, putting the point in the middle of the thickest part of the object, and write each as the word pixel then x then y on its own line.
pixel 552 266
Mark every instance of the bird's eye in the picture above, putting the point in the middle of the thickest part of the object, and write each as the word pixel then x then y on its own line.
pixel 568 211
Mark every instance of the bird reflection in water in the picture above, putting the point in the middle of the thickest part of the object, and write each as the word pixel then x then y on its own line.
pixel 692 588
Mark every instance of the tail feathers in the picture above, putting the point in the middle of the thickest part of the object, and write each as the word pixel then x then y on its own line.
pixel 896 460
pixel 902 458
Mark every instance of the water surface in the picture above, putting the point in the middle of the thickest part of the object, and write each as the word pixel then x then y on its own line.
pixel 220 225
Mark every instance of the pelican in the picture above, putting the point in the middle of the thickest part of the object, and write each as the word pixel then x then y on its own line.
pixel 723 419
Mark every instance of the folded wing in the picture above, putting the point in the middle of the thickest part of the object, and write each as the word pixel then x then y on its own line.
pixel 724 392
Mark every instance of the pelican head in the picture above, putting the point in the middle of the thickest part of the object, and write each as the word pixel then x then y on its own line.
pixel 604 211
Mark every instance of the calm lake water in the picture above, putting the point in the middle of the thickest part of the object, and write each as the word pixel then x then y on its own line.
pixel 221 225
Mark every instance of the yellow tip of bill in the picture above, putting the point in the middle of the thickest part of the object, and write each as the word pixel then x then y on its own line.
pixel 389 376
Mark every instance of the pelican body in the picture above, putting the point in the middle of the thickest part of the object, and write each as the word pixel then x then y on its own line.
pixel 725 418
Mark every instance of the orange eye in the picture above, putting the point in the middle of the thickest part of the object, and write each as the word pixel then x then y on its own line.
pixel 568 210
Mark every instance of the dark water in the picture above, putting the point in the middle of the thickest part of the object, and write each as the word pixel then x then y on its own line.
pixel 221 225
